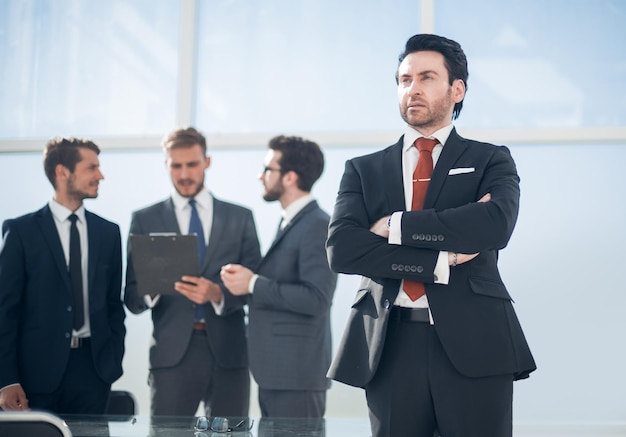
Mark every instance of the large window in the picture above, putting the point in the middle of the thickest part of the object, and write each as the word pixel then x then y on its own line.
pixel 537 64
pixel 127 69
pixel 87 68
pixel 308 65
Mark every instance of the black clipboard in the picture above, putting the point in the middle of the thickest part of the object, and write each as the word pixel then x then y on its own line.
pixel 159 260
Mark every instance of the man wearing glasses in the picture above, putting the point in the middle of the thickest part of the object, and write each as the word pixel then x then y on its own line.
pixel 290 294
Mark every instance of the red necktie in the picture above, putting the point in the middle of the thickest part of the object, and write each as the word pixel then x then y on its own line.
pixel 421 179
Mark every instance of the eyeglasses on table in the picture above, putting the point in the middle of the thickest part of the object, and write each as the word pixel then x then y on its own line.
pixel 223 424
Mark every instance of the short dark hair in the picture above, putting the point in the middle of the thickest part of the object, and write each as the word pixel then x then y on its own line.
pixel 302 156
pixel 454 58
pixel 184 137
pixel 64 151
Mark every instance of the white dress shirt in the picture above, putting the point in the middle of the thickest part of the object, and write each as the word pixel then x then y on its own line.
pixel 62 222
pixel 410 156
pixel 182 209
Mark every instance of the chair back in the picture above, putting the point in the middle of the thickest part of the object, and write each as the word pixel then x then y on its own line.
pixel 32 423
pixel 121 403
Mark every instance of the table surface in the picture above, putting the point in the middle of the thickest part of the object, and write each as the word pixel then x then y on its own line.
pixel 144 426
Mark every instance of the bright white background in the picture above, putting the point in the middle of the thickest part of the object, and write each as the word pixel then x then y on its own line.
pixel 546 78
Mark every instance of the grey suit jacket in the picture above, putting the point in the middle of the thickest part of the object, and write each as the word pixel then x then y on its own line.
pixel 473 314
pixel 233 240
pixel 36 301
pixel 289 335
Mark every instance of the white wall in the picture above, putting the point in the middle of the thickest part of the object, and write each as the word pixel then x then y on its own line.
pixel 561 265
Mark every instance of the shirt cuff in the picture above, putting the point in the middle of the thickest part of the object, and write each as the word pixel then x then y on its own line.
pixel 442 269
pixel 10 385
pixel 150 301
pixel 252 282
pixel 218 307
pixel 395 228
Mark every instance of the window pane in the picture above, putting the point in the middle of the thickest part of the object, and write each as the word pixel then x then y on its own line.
pixel 557 63
pixel 87 67
pixel 281 65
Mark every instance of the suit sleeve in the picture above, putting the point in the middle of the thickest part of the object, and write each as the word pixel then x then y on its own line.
pixel 11 286
pixel 471 227
pixel 249 256
pixel 114 301
pixel 134 302
pixel 312 293
pixel 353 249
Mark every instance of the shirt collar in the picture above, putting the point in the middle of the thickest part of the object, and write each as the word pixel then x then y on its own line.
pixel 295 207
pixel 411 134
pixel 62 213
pixel 203 198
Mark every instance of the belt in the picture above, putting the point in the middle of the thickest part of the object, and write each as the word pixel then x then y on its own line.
pixel 404 314
pixel 78 342
pixel 199 326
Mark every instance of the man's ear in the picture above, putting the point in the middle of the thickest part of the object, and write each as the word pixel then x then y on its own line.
pixel 458 90
pixel 290 178
pixel 61 172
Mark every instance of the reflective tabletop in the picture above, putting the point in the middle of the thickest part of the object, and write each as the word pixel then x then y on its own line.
pixel 144 426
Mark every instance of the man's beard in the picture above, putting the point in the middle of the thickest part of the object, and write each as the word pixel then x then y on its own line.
pixel 274 194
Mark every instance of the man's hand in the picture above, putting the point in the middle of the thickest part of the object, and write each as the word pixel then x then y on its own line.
pixel 455 259
pixel 199 289
pixel 13 398
pixel 380 227
pixel 236 278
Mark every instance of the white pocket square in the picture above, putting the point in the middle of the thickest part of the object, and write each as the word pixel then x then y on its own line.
pixel 461 170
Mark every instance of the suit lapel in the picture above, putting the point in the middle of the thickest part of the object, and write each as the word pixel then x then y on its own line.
pixel 51 236
pixel 451 152
pixel 217 229
pixel 294 221
pixel 94 238
pixel 168 216
pixel 392 176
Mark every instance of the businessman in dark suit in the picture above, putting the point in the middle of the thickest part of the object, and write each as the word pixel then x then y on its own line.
pixel 291 291
pixel 61 351
pixel 443 361
pixel 198 353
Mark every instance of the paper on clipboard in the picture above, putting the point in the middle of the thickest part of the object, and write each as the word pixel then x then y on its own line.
pixel 160 260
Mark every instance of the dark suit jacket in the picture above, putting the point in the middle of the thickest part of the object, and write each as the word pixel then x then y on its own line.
pixel 473 314
pixel 233 240
pixel 36 297
pixel 289 335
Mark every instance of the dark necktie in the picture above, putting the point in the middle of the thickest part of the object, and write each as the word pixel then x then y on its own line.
pixel 76 275
pixel 195 227
pixel 421 179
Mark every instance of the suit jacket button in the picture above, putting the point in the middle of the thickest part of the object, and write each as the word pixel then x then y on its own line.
pixel 386 304
pixel 440 238
pixel 420 269
pixel 415 237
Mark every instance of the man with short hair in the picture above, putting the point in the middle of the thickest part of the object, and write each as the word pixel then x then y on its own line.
pixel 198 353
pixel 432 335
pixel 290 292
pixel 61 314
